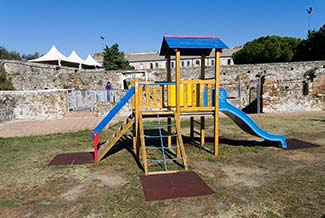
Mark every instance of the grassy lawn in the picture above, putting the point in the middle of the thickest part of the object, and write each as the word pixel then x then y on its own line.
pixel 249 181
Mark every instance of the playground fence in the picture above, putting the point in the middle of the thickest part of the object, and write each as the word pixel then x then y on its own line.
pixel 85 99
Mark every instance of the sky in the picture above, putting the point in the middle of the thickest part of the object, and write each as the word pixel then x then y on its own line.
pixel 29 26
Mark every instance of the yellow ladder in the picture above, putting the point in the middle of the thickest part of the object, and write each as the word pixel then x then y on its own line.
pixel 106 147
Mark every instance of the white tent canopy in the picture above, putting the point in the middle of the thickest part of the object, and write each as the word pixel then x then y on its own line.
pixel 52 55
pixel 74 57
pixel 91 61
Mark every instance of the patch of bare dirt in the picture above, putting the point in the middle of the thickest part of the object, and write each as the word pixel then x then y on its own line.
pixel 109 178
pixel 74 193
pixel 246 176
pixel 302 157
pixel 205 168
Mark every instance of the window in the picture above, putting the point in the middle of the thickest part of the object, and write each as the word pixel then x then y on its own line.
pixel 156 65
pixel 172 64
pixel 229 62
pixel 151 66
pixel 212 62
pixel 188 63
pixel 182 63
pixel 197 62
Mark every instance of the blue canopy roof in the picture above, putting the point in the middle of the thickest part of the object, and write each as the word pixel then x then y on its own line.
pixel 190 45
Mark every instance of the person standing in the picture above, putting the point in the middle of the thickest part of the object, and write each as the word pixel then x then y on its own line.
pixel 108 91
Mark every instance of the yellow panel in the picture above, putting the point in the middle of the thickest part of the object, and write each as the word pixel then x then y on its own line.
pixel 172 95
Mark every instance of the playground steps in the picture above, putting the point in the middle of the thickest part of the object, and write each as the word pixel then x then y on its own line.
pixel 159 154
pixel 106 147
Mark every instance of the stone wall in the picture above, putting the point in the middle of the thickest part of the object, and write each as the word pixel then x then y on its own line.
pixel 34 76
pixel 282 89
pixel 287 86
pixel 101 109
pixel 34 105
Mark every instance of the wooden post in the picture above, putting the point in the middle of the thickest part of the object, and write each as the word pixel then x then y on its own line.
pixel 216 100
pixel 178 81
pixel 192 127
pixel 169 79
pixel 143 145
pixel 178 95
pixel 136 117
pixel 202 132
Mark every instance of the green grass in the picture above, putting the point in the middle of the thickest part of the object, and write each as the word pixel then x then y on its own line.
pixel 249 181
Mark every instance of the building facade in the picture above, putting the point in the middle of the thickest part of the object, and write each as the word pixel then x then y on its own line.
pixel 152 60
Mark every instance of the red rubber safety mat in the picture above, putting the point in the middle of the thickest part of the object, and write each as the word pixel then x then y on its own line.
pixel 173 185
pixel 73 158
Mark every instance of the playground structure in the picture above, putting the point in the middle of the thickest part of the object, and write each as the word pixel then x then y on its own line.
pixel 168 101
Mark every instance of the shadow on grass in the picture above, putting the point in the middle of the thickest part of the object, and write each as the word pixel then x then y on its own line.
pixel 233 142
pixel 125 143
pixel 154 141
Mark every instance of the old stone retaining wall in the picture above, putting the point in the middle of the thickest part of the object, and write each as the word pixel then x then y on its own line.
pixel 283 87
pixel 33 105
pixel 35 76
pixel 295 86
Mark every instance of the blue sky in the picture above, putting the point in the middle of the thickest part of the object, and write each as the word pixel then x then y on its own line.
pixel 139 25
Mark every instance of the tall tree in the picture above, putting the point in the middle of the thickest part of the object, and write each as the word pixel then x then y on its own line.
pixel 9 55
pixel 267 49
pixel 113 59
pixel 313 47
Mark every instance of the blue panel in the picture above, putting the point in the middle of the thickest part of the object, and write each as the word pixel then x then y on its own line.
pixel 113 112
pixel 205 97
pixel 196 43
pixel 191 45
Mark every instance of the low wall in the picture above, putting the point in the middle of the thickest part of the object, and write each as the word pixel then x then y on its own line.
pixel 33 105
pixel 284 88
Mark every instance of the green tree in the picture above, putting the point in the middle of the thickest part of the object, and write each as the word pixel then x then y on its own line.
pixel 5 83
pixel 313 47
pixel 113 59
pixel 9 55
pixel 30 56
pixel 267 49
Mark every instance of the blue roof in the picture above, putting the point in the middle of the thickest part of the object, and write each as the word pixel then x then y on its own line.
pixel 191 45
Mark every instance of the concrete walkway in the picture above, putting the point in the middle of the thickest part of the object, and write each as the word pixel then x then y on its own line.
pixel 72 122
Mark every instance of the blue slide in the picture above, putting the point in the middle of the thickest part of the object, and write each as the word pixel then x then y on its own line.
pixel 245 122
pixel 113 112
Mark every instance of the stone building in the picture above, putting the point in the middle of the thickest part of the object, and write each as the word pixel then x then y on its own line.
pixel 152 60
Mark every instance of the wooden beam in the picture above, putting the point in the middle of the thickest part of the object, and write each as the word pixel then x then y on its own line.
pixel 178 81
pixel 136 117
pixel 202 125
pixel 216 100
pixel 169 79
pixel 143 145
pixel 168 69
